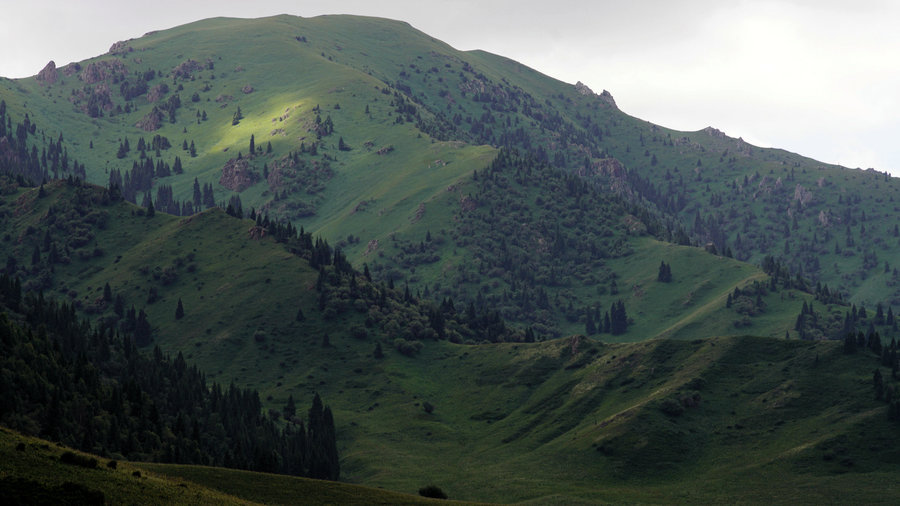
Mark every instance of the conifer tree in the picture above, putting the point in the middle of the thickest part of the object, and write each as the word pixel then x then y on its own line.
pixel 618 318
pixel 589 327
pixel 290 409
pixel 879 384
pixel 665 273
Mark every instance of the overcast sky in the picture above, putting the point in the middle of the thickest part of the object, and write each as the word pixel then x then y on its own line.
pixel 816 77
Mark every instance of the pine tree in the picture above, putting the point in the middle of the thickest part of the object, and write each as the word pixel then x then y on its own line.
pixel 290 409
pixel 179 310
pixel 198 196
pixel 589 327
pixel 252 145
pixel 879 384
pixel 618 318
pixel 665 273
pixel 849 343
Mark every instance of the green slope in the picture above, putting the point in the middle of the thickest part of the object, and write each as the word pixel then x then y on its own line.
pixel 439 108
pixel 561 420
pixel 33 474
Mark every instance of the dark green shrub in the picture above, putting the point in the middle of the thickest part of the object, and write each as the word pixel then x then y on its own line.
pixel 78 460
pixel 432 491
pixel 671 407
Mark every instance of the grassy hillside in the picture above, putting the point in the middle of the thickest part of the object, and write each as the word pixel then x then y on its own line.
pixel 241 290
pixel 520 422
pixel 559 420
pixel 33 473
pixel 569 421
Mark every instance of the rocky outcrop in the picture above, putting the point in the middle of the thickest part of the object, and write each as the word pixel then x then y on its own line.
pixel 371 247
pixel 467 203
pixel 186 69
pixel 608 98
pixel 802 195
pixel 483 90
pixel 247 89
pixel 92 100
pixel 420 212
pixel 582 88
pixel 95 72
pixel 49 74
pixel 714 132
pixel 151 121
pixel 120 47
pixel 157 92
pixel 611 167
pixel 237 176
pixel 257 232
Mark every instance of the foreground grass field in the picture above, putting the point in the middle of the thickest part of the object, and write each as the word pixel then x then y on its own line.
pixel 33 473
pixel 723 420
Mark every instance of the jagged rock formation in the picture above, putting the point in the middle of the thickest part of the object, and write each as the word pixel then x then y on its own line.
pixel 583 89
pixel 49 74
pixel 608 98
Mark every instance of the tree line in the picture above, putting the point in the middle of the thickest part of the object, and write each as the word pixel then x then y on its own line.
pixel 90 388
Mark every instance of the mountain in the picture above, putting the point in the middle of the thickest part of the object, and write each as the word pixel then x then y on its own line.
pixel 414 120
pixel 528 294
